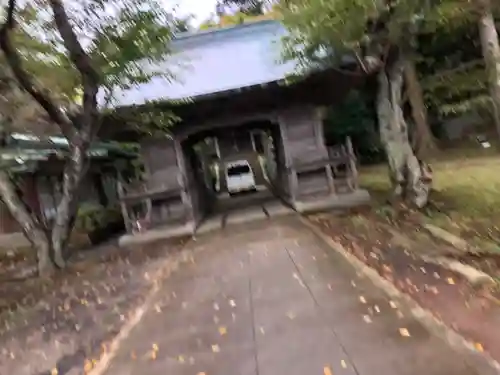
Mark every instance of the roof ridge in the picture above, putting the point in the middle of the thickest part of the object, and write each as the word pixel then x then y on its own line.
pixel 223 30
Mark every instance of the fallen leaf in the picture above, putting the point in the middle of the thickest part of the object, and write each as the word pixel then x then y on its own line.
pixel 181 359
pixel 393 304
pixel 88 366
pixel 155 347
pixel 215 348
pixel 153 354
pixel 404 332
pixel 434 290
pixel 262 330
pixel 216 307
pixel 377 309
pixel 157 308
pixel 353 283
pixel 54 371
pixel 386 268
pixel 222 331
pixel 479 347
pixel 330 286
pixel 367 318
pixel 450 281
pixel 362 299
pixel 327 370
pixel 436 275
pixel 423 270
pixel 343 364
pixel 232 303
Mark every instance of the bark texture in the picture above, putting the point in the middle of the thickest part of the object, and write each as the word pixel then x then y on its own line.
pixel 50 242
pixel 31 228
pixel 410 176
pixel 63 225
pixel 491 53
pixel 424 143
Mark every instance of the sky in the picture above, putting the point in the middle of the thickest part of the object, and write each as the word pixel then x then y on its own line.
pixel 201 9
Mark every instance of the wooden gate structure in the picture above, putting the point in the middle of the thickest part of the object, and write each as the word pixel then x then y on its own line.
pixel 289 118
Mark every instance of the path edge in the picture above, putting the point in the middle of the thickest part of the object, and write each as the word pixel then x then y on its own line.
pixel 170 265
pixel 424 316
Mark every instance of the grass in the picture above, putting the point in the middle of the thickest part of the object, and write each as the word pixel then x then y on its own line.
pixel 466 195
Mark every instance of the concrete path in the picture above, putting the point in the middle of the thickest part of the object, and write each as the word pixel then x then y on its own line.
pixel 244 208
pixel 269 298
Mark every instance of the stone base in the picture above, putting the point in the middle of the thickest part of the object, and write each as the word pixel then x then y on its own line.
pixel 338 201
pixel 12 241
pixel 161 233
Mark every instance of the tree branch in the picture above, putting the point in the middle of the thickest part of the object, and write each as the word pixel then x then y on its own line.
pixel 82 61
pixel 76 53
pixel 26 81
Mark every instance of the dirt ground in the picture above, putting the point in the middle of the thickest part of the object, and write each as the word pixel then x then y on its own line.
pixel 69 318
pixel 390 242
pixel 465 201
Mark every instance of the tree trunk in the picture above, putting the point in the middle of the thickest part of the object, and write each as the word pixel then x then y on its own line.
pixel 424 141
pixel 31 228
pixel 66 209
pixel 409 175
pixel 491 53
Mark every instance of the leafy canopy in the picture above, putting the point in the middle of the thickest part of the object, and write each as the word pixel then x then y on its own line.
pixel 127 40
pixel 322 31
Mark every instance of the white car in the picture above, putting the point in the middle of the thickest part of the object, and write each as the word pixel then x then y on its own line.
pixel 239 177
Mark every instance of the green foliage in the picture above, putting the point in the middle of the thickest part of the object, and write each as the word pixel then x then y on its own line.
pixel 248 7
pixel 446 44
pixel 127 41
pixel 93 216
pixel 323 31
pixel 237 18
pixel 356 118
pixel 129 47
pixel 451 64
pixel 208 24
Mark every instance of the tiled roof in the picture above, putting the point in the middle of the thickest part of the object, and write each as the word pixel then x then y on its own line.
pixel 213 61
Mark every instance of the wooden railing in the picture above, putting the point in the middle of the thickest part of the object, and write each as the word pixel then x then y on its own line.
pixel 341 162
pixel 145 193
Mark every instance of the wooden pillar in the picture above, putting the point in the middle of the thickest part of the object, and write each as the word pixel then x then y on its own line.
pixel 318 118
pixel 353 178
pixel 125 213
pixel 97 180
pixel 186 195
pixel 303 142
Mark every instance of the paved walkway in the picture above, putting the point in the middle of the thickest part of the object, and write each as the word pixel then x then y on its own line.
pixel 270 298
pixel 244 208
